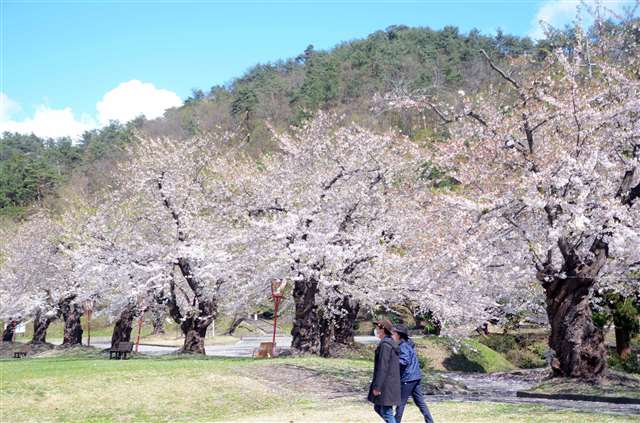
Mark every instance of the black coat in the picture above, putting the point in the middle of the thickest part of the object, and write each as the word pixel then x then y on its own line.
pixel 386 374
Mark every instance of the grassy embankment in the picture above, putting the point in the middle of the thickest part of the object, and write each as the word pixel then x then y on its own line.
pixel 445 354
pixel 86 387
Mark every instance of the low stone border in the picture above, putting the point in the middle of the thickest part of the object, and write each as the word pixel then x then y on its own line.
pixel 578 397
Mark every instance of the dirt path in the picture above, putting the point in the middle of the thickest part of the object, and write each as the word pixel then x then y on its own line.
pixel 300 379
pixel 497 387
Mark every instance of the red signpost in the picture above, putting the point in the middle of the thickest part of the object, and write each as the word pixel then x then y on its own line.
pixel 277 292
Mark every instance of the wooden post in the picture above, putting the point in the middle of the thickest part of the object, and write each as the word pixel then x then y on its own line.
pixel 276 299
pixel 140 321
pixel 277 292
pixel 89 312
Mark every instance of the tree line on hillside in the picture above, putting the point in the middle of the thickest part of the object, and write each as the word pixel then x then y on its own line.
pixel 33 169
pixel 286 92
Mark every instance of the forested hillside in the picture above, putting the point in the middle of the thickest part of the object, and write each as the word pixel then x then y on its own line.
pixel 283 93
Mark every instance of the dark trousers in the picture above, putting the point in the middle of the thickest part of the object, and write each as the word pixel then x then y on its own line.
pixel 412 389
pixel 386 412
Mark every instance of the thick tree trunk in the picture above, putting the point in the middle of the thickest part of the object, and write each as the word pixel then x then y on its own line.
pixel 326 334
pixel 623 342
pixel 196 320
pixel 9 331
pixel 122 328
pixel 577 342
pixel 318 334
pixel 306 323
pixel 338 330
pixel 195 330
pixel 41 323
pixel 343 328
pixel 72 325
pixel 157 319
pixel 194 327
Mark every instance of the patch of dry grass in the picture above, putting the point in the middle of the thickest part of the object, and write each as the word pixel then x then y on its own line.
pixel 435 353
pixel 443 412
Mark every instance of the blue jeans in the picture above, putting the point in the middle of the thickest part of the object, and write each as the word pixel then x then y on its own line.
pixel 386 412
pixel 412 389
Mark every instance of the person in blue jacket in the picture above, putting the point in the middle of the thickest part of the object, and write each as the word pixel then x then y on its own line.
pixel 410 375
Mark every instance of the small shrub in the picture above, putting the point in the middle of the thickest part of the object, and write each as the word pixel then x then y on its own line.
pixel 424 362
pixel 630 365
pixel 525 359
pixel 525 351
pixel 500 343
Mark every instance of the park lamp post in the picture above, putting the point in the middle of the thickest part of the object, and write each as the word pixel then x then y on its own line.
pixel 277 292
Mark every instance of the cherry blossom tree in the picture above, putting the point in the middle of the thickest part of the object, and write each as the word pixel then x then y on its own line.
pixel 552 156
pixel 37 278
pixel 120 265
pixel 361 229
pixel 180 226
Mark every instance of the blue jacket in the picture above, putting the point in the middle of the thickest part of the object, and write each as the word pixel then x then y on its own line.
pixel 409 365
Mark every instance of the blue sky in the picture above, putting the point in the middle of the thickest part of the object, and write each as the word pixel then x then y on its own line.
pixel 70 65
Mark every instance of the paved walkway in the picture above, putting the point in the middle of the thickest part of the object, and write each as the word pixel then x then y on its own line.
pixel 243 348
pixel 502 387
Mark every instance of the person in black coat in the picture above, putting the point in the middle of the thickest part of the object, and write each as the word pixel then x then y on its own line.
pixel 384 391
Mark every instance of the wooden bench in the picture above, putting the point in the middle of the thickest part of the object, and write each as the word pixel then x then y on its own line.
pixel 121 350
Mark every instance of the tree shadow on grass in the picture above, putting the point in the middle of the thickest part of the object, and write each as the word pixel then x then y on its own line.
pixel 460 363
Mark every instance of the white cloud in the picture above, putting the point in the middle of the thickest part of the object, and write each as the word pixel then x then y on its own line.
pixel 134 98
pixel 50 123
pixel 123 103
pixel 558 13
pixel 7 107
pixel 553 12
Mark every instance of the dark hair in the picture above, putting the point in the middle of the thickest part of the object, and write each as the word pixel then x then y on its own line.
pixel 386 331
pixel 403 336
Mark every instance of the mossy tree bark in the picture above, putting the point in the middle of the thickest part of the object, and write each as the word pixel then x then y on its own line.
pixel 124 325
pixel 41 323
pixel 71 313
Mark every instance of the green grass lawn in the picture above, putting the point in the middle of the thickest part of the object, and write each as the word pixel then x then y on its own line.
pixel 87 387
pixel 468 355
